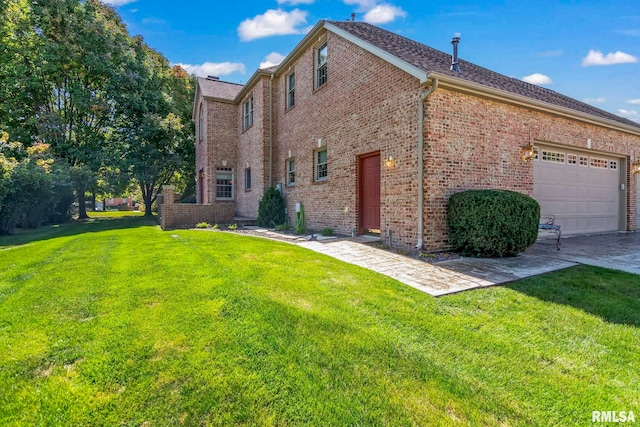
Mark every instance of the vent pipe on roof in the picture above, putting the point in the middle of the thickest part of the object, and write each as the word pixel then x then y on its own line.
pixel 214 78
pixel 353 17
pixel 454 59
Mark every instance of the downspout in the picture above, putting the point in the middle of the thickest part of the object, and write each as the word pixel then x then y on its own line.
pixel 421 120
pixel 271 131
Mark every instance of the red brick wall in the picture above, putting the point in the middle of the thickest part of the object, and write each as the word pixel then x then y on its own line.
pixel 173 215
pixel 367 105
pixel 220 143
pixel 253 150
pixel 475 143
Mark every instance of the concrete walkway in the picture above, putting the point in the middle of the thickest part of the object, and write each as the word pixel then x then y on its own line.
pixel 617 250
pixel 436 279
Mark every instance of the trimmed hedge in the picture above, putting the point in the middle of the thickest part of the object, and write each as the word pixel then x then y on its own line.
pixel 492 223
pixel 271 209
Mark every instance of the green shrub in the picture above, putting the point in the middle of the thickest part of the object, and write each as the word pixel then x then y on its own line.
pixel 492 223
pixel 283 227
pixel 203 225
pixel 301 221
pixel 271 209
pixel 326 231
pixel 233 227
pixel 216 226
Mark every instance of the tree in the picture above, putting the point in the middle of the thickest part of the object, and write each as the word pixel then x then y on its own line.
pixel 155 133
pixel 84 50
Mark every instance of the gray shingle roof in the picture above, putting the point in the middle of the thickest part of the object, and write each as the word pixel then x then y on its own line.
pixel 432 60
pixel 219 89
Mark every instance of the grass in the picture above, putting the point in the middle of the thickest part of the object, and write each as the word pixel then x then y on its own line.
pixel 115 322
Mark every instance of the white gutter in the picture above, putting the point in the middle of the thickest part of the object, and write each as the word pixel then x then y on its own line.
pixel 421 120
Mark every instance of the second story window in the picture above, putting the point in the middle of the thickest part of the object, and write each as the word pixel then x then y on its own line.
pixel 247 112
pixel 321 65
pixel 291 90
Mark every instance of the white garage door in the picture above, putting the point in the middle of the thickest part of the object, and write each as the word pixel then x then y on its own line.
pixel 581 189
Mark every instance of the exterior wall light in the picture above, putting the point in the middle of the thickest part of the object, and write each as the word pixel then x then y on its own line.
pixel 635 167
pixel 389 163
pixel 528 153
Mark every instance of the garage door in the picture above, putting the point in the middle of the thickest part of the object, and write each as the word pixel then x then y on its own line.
pixel 581 189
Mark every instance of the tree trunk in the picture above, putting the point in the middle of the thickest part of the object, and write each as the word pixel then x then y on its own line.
pixel 147 194
pixel 82 205
pixel 93 201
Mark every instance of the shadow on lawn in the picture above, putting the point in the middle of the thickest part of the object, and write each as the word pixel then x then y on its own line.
pixel 92 225
pixel 614 296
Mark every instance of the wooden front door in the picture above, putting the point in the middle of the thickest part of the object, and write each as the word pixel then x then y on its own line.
pixel 369 193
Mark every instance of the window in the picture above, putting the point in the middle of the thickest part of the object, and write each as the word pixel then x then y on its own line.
pixel 291 90
pixel 291 172
pixel 321 65
pixel 613 164
pixel 320 162
pixel 201 125
pixel 572 159
pixel 584 161
pixel 224 183
pixel 599 163
pixel 552 156
pixel 247 109
pixel 247 179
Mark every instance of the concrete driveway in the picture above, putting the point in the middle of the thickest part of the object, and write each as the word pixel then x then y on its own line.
pixel 618 251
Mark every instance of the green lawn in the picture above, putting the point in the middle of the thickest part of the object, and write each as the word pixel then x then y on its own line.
pixel 115 322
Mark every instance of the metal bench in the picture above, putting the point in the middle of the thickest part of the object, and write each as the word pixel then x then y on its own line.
pixel 549 225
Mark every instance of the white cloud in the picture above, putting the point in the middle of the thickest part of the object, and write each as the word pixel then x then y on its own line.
pixel 595 100
pixel 383 13
pixel 630 114
pixel 595 57
pixel 274 58
pixel 272 23
pixel 377 13
pixel 633 101
pixel 117 3
pixel 295 2
pixel 537 79
pixel 214 68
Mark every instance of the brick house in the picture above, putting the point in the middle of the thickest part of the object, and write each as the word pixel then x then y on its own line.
pixel 372 131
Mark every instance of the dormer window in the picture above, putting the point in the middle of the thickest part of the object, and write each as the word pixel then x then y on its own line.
pixel 321 65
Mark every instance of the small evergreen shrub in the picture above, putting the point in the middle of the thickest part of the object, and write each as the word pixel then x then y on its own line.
pixel 301 221
pixel 271 209
pixel 283 227
pixel 232 227
pixel 492 223
pixel 203 225
pixel 326 231
pixel 216 226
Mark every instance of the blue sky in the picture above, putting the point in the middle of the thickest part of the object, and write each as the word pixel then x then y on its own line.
pixel 589 50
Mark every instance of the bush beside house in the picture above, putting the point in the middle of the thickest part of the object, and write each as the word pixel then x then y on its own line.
pixel 492 223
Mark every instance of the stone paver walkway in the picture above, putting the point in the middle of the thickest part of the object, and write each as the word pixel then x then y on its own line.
pixel 436 279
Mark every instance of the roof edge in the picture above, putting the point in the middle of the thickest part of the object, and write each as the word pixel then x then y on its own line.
pixel 405 66
pixel 527 102
pixel 250 83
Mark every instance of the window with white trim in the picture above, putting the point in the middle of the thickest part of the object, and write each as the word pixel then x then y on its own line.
pixel 321 66
pixel 599 163
pixel 247 113
pixel 584 161
pixel 552 156
pixel 224 183
pixel 536 153
pixel 572 159
pixel 613 164
pixel 320 164
pixel 291 90
pixel 291 172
